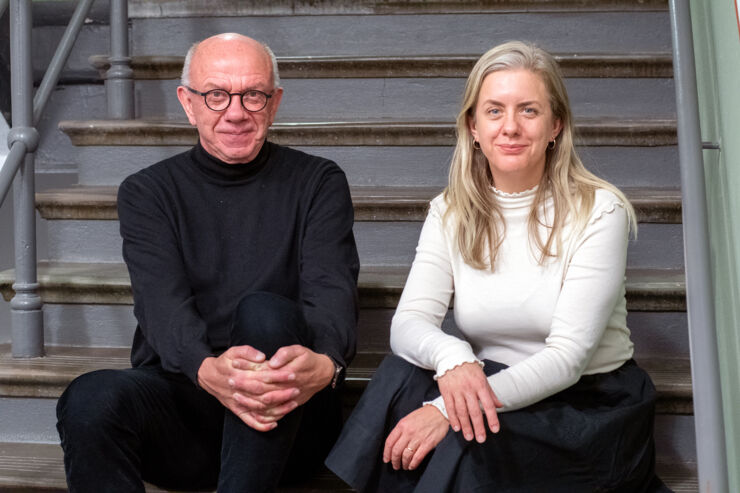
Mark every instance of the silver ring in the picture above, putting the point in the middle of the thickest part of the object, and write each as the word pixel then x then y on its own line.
pixel 410 449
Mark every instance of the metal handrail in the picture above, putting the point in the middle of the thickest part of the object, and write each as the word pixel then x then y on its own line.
pixel 51 77
pixel 707 391
pixel 26 306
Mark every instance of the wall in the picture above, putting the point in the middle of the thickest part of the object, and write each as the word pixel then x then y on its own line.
pixel 717 47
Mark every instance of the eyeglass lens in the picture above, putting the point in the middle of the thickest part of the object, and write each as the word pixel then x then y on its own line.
pixel 219 100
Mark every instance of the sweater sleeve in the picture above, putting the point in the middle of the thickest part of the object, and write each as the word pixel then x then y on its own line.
pixel 329 267
pixel 416 333
pixel 164 304
pixel 593 284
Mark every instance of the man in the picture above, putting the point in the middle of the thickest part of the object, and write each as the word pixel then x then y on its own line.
pixel 243 268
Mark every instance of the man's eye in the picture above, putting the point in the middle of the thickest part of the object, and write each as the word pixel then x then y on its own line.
pixel 218 95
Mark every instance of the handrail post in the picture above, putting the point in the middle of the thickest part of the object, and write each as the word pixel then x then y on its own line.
pixel 26 306
pixel 707 391
pixel 119 79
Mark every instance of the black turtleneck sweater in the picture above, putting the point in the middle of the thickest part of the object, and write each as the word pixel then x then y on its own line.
pixel 198 234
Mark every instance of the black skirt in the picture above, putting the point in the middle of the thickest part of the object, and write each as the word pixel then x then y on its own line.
pixel 595 436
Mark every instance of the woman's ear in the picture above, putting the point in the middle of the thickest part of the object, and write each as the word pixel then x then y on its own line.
pixel 557 128
pixel 471 127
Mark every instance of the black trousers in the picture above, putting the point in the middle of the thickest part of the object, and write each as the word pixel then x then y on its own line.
pixel 119 428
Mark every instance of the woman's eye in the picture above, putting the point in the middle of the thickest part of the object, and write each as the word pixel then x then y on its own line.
pixel 494 111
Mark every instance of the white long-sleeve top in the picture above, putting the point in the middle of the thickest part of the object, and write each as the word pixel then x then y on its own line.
pixel 549 323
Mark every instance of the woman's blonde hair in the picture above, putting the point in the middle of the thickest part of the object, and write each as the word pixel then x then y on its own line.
pixel 476 216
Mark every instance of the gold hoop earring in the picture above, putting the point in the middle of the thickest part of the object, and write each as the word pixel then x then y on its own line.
pixel 476 145
pixel 551 144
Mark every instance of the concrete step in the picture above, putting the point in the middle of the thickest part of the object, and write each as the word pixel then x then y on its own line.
pixel 442 32
pixel 87 231
pixel 31 468
pixel 190 8
pixel 591 131
pixel 427 99
pixel 370 203
pixel 582 65
pixel 413 166
pixel 48 376
pixel 380 286
pixel 653 332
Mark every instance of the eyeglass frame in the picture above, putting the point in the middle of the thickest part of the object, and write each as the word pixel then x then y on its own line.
pixel 231 96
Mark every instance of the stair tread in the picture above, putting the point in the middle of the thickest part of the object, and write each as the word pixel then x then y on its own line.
pixel 232 8
pixel 49 375
pixel 657 64
pixel 590 130
pixel 380 286
pixel 376 203
pixel 39 465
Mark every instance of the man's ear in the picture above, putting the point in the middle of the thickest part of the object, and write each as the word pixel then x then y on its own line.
pixel 184 96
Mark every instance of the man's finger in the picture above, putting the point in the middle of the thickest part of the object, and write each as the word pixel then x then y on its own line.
pixel 246 353
pixel 285 355
pixel 252 422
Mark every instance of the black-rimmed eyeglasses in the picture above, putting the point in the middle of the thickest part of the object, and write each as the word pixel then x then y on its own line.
pixel 219 99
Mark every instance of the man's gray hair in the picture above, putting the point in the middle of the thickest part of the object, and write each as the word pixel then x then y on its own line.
pixel 185 76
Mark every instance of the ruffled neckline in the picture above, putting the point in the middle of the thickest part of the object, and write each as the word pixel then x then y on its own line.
pixel 525 193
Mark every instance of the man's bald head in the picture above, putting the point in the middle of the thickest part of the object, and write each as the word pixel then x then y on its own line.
pixel 228 37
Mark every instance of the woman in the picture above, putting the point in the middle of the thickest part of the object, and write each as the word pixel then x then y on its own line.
pixel 538 387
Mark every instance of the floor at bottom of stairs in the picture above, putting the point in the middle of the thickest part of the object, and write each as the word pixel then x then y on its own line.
pixel 27 468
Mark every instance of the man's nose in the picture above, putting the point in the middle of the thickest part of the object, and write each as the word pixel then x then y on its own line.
pixel 235 110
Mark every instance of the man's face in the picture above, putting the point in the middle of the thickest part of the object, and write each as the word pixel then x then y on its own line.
pixel 235 65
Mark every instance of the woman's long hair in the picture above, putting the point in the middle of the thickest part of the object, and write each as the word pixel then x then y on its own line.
pixel 475 214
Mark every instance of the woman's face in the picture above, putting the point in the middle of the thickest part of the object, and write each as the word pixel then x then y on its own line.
pixel 513 123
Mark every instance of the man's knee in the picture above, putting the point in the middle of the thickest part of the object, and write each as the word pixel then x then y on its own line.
pixel 268 322
pixel 91 402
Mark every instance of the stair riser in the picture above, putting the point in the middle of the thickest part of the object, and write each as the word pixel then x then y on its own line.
pixel 453 34
pixel 190 8
pixel 658 246
pixel 34 420
pixel 427 34
pixel 397 166
pixel 420 99
pixel 662 334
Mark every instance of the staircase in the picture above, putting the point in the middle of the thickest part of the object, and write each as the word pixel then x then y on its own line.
pixel 374 85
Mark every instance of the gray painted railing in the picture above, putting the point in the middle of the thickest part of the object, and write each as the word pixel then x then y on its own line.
pixel 119 79
pixel 26 306
pixel 707 392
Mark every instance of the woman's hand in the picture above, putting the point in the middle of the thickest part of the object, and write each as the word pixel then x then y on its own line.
pixel 465 390
pixel 414 437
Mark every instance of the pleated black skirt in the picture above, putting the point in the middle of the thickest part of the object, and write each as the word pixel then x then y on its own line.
pixel 596 436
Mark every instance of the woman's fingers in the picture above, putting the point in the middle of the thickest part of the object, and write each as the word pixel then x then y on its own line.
pixel 414 437
pixel 489 403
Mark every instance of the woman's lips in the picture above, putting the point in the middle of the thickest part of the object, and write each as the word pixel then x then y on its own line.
pixel 511 148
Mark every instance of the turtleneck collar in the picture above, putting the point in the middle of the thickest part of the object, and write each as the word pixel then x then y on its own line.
pixel 218 171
